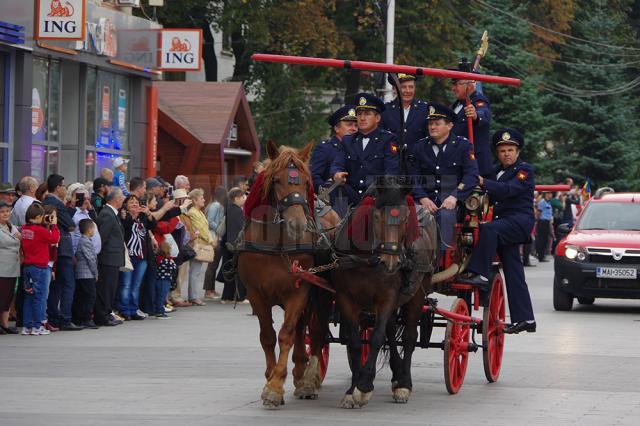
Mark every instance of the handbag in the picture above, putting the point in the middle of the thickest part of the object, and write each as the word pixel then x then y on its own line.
pixel 185 254
pixel 204 252
pixel 128 266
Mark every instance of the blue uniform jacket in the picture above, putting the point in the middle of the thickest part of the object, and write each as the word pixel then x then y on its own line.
pixel 415 127
pixel 453 172
pixel 512 198
pixel 381 157
pixel 321 160
pixel 481 130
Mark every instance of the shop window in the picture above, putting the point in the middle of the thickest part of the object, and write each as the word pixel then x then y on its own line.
pixel 4 147
pixel 108 120
pixel 45 118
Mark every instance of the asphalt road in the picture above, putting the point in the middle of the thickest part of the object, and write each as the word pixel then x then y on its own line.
pixel 205 367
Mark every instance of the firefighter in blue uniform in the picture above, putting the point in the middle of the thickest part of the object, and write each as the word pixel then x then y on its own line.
pixel 343 122
pixel 511 193
pixel 444 168
pixel 414 110
pixel 480 114
pixel 368 153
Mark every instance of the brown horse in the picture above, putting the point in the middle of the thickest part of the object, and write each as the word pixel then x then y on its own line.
pixel 372 285
pixel 276 234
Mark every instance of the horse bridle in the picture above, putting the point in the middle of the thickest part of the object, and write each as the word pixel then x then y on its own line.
pixel 391 248
pixel 291 199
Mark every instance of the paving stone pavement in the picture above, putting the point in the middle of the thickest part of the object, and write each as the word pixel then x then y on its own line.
pixel 205 367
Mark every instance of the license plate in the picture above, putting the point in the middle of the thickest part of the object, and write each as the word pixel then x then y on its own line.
pixel 617 273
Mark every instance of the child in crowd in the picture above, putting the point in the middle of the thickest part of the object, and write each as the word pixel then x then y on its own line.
pixel 166 270
pixel 49 213
pixel 39 233
pixel 86 276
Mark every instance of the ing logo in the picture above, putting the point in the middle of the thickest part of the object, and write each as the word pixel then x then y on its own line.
pixel 60 11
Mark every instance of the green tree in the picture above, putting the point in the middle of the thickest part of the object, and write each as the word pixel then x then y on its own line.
pixel 598 132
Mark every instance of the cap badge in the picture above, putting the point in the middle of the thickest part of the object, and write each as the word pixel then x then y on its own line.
pixel 352 112
pixel 506 136
pixel 363 101
pixel 432 110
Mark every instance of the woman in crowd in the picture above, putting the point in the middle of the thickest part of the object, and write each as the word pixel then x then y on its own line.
pixel 136 221
pixel 9 266
pixel 199 231
pixel 215 217
pixel 42 192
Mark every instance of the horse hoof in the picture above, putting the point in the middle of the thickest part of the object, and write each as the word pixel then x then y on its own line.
pixel 306 392
pixel 271 399
pixel 348 402
pixel 361 398
pixel 401 395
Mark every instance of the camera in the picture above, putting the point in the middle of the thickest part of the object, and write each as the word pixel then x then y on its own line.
pixel 79 198
pixel 47 219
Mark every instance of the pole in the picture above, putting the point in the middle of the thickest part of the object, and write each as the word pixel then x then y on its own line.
pixel 376 66
pixel 391 17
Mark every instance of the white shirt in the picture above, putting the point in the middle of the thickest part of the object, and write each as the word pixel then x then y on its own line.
pixel 75 235
pixel 365 142
pixel 436 148
pixel 500 173
pixel 114 209
pixel 458 108
pixel 406 113
pixel 20 210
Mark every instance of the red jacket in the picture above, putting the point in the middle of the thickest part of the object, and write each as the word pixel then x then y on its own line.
pixel 36 241
pixel 164 227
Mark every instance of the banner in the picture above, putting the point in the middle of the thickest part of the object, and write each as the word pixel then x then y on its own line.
pixel 60 19
pixel 181 50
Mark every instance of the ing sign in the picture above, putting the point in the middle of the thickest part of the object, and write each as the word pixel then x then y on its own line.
pixel 60 19
pixel 181 50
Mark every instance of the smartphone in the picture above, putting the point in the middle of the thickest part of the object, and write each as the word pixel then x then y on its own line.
pixel 79 198
pixel 170 192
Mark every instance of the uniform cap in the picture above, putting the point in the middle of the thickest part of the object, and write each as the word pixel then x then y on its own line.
pixel 508 136
pixel 440 112
pixel 365 101
pixel 346 113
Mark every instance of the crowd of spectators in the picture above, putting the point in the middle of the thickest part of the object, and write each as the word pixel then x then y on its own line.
pixel 552 209
pixel 94 254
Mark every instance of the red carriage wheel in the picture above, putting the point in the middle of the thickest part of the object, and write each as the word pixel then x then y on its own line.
pixel 456 348
pixel 492 336
pixel 323 362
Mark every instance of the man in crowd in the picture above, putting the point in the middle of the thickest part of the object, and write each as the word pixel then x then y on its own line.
pixel 413 111
pixel 343 122
pixel 155 187
pixel 138 187
pixel 182 182
pixel 511 193
pixel 107 174
pixel 479 112
pixel 100 188
pixel 63 286
pixel 543 230
pixel 110 259
pixel 7 193
pixel 370 152
pixel 27 187
pixel 120 166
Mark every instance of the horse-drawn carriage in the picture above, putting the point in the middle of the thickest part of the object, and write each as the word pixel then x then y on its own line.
pixel 353 272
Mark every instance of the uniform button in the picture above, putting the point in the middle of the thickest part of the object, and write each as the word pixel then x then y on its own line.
pixel 360 191
pixel 497 217
pixel 438 181
pixel 361 166
pixel 361 181
pixel 437 167
pixel 436 191
pixel 405 130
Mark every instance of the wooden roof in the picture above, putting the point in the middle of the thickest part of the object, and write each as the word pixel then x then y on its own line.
pixel 205 112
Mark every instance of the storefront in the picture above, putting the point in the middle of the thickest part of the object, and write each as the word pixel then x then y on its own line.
pixel 71 107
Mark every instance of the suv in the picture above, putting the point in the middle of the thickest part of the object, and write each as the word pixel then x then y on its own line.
pixel 600 256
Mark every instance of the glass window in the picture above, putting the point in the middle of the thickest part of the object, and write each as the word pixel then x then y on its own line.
pixel 108 110
pixel 108 100
pixel 45 117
